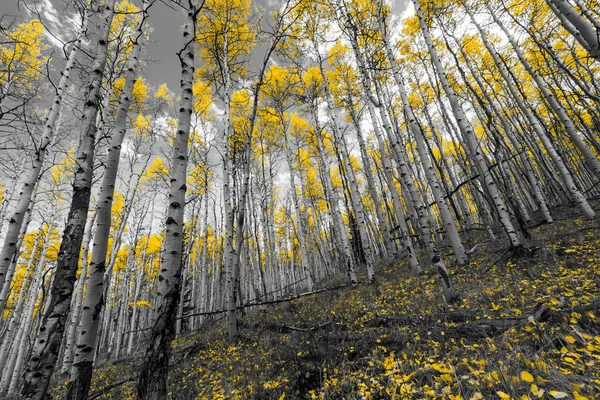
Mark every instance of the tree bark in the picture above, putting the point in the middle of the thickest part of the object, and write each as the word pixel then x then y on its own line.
pixel 583 31
pixel 42 360
pixel 152 384
pixel 468 134
pixel 9 247
pixel 566 176
pixel 81 375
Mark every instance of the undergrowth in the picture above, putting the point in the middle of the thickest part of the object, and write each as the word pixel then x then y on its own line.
pixel 345 343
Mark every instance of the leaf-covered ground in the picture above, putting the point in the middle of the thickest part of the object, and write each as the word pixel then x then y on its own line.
pixel 398 340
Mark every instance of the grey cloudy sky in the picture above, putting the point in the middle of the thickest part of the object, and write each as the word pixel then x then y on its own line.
pixel 166 22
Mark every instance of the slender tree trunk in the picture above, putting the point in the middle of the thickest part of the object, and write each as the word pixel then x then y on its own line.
pixel 371 101
pixel 5 292
pixel 9 247
pixel 71 340
pixel 299 217
pixel 334 202
pixel 445 214
pixel 81 375
pixel 566 176
pixel 42 360
pixel 468 134
pixel 20 343
pixel 400 215
pixel 512 137
pixel 8 194
pixel 136 295
pixel 354 191
pixel 152 384
pixel 16 318
pixel 590 158
pixel 583 31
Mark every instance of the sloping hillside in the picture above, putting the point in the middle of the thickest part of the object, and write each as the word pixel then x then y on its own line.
pixel 524 327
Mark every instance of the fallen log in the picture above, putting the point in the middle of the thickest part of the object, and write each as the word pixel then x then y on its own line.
pixel 468 324
pixel 276 301
pixel 109 388
pixel 419 319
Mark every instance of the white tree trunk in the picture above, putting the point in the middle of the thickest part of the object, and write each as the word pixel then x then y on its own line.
pixel 42 360
pixel 468 134
pixel 590 158
pixel 9 247
pixel 567 178
pixel 81 375
pixel 152 384
pixel 71 340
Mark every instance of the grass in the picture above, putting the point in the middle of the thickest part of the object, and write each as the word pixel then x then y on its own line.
pixel 351 343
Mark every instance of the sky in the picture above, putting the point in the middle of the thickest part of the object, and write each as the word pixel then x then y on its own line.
pixel 162 64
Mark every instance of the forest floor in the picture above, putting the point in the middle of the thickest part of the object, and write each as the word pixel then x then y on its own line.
pixel 523 328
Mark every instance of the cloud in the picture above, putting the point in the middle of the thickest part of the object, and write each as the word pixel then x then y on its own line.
pixel 59 26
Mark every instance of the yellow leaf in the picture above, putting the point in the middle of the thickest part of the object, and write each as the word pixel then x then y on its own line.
pixel 577 396
pixel 558 395
pixel 526 376
pixel 570 339
pixel 537 392
pixel 503 395
pixel 282 396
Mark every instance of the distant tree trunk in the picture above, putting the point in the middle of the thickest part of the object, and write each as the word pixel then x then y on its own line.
pixel 24 319
pixel 387 168
pixel 448 221
pixel 512 138
pixel 42 360
pixel 336 214
pixel 9 247
pixel 566 176
pixel 590 158
pixel 152 384
pixel 355 199
pixel 16 318
pixel 390 246
pixel 468 134
pixel 301 234
pixel 402 228
pixel 136 295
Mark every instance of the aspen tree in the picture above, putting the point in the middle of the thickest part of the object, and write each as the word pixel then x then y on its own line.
pixel 16 316
pixel 33 175
pixel 279 86
pixel 468 134
pixel 581 25
pixel 42 360
pixel 4 293
pixel 21 342
pixel 152 383
pixel 279 32
pixel 81 375
pixel 448 221
pixel 313 87
pixel 590 158
pixel 348 94
pixel 354 191
pixel 77 303
pixel 371 102
pixel 510 134
pixel 559 163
